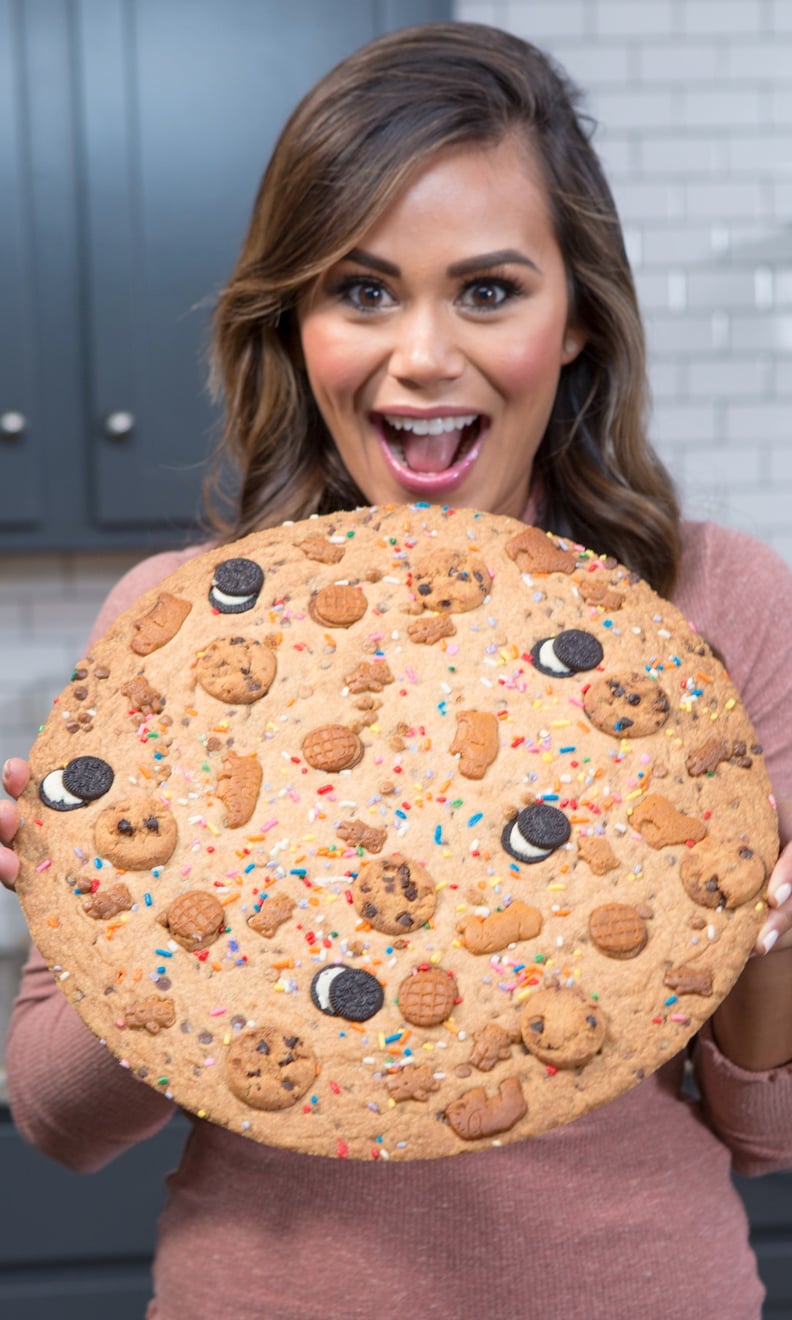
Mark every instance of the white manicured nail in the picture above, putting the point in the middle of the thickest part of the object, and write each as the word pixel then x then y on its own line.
pixel 783 893
pixel 769 940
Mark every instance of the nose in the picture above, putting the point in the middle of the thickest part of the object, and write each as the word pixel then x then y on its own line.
pixel 425 348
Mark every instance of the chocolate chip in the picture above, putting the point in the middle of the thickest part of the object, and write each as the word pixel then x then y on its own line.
pixel 88 777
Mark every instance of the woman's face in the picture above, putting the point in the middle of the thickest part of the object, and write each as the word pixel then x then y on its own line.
pixel 434 348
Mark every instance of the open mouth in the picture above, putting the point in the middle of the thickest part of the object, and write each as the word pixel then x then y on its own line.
pixel 431 445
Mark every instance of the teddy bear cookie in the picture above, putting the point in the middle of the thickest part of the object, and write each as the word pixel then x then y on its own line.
pixel 397 834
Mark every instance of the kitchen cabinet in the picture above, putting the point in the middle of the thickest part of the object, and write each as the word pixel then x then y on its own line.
pixel 133 134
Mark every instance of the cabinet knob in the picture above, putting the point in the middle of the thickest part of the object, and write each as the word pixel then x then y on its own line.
pixel 12 424
pixel 119 424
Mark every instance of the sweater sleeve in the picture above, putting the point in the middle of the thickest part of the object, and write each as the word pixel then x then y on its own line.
pixel 738 594
pixel 70 1098
pixel 751 1112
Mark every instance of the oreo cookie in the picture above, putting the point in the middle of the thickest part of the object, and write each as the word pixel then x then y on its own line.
pixel 83 780
pixel 236 586
pixel 356 995
pixel 347 992
pixel 535 832
pixel 570 652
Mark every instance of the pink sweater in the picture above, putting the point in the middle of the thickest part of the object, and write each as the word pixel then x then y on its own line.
pixel 627 1211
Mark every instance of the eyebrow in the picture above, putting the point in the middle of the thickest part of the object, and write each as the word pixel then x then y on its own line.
pixel 470 266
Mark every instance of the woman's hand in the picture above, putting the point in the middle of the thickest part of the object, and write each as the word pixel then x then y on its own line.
pixel 753 1024
pixel 776 932
pixel 15 777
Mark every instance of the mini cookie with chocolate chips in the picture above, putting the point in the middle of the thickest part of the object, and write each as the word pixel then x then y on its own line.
pixel 397 834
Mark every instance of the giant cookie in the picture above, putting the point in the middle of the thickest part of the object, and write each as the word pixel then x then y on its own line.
pixel 397 834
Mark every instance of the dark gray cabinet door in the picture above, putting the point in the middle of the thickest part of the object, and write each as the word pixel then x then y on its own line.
pixel 132 137
pixel 40 383
pixel 16 385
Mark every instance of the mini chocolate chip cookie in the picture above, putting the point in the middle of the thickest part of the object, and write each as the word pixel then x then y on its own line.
pixel 136 834
pixel 627 705
pixel 722 872
pixel 450 581
pixel 394 894
pixel 562 1027
pixel 236 670
pixel 270 1068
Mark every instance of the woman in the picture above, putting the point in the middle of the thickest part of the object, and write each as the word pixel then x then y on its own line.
pixel 433 301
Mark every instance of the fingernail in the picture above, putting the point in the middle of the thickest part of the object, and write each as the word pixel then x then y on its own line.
pixel 769 940
pixel 783 893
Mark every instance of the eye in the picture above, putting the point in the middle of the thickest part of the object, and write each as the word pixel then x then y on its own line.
pixel 364 294
pixel 483 295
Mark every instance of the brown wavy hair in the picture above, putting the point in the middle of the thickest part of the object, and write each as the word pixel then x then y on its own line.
pixel 342 157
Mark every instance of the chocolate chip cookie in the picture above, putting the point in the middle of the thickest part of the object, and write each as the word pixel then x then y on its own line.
pixel 396 834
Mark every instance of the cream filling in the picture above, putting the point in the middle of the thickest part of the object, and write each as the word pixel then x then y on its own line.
pixel 523 848
pixel 52 787
pixel 550 660
pixel 322 987
pixel 223 599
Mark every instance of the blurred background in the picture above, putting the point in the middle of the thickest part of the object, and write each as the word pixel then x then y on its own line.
pixel 132 137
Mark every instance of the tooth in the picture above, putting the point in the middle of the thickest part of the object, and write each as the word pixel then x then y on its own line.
pixel 429 425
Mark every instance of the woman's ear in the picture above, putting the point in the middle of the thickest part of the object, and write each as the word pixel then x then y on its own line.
pixel 574 343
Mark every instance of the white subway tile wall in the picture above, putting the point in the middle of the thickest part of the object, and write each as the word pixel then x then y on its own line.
pixel 693 105
pixel 47 606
